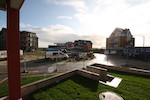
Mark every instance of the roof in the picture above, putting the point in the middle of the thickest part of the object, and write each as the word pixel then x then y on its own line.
pixel 83 41
pixel 136 47
pixel 120 31
pixel 2 4
pixel 27 32
pixel 16 4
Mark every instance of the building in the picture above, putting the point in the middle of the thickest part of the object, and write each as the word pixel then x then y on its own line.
pixel 138 52
pixel 120 39
pixel 28 40
pixel 3 36
pixel 60 45
pixel 83 44
pixel 52 46
pixel 69 45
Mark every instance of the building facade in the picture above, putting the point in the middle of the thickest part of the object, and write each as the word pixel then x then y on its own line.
pixel 3 36
pixel 120 39
pixel 69 45
pixel 60 45
pixel 28 40
pixel 83 44
pixel 138 52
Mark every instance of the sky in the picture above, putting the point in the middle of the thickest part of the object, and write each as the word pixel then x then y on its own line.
pixel 60 21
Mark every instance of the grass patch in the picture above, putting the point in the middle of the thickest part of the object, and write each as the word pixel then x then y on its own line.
pixel 24 81
pixel 133 87
pixel 34 53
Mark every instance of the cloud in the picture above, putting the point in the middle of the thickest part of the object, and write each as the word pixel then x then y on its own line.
pixel 78 5
pixel 105 15
pixel 61 34
pixel 102 16
pixel 98 18
pixel 139 39
pixel 2 26
pixel 64 17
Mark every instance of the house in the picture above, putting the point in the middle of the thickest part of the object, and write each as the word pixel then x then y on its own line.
pixel 60 45
pixel 120 39
pixel 83 44
pixel 28 40
pixel 69 45
pixel 138 52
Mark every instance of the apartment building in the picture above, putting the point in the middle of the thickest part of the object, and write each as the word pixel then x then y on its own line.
pixel 82 44
pixel 3 36
pixel 69 45
pixel 28 40
pixel 120 39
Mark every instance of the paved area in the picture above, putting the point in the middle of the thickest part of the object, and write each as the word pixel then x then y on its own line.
pixel 37 64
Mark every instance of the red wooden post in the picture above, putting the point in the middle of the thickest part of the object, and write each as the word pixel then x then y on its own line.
pixel 13 52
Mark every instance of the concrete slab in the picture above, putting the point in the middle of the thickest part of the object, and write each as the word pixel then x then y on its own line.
pixel 114 82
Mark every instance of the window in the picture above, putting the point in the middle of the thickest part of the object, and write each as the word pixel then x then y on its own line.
pixel 55 53
pixel 147 50
pixel 61 53
pixel 137 51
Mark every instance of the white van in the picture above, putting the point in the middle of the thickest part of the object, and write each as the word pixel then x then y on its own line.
pixel 55 53
pixel 3 54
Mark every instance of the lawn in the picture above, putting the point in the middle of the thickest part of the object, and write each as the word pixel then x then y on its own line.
pixel 34 53
pixel 24 81
pixel 133 87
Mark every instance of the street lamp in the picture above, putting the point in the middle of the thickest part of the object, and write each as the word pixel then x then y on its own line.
pixel 143 48
pixel 143 40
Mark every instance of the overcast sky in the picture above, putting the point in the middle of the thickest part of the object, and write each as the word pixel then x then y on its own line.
pixel 57 21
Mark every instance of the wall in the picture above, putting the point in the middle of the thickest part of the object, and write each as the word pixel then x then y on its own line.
pixel 123 69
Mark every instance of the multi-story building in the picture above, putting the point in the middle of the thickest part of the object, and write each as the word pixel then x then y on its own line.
pixel 69 45
pixel 120 39
pixel 28 40
pixel 3 36
pixel 82 44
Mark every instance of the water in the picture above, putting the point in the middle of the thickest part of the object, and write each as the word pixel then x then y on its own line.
pixel 114 60
pixel 67 66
